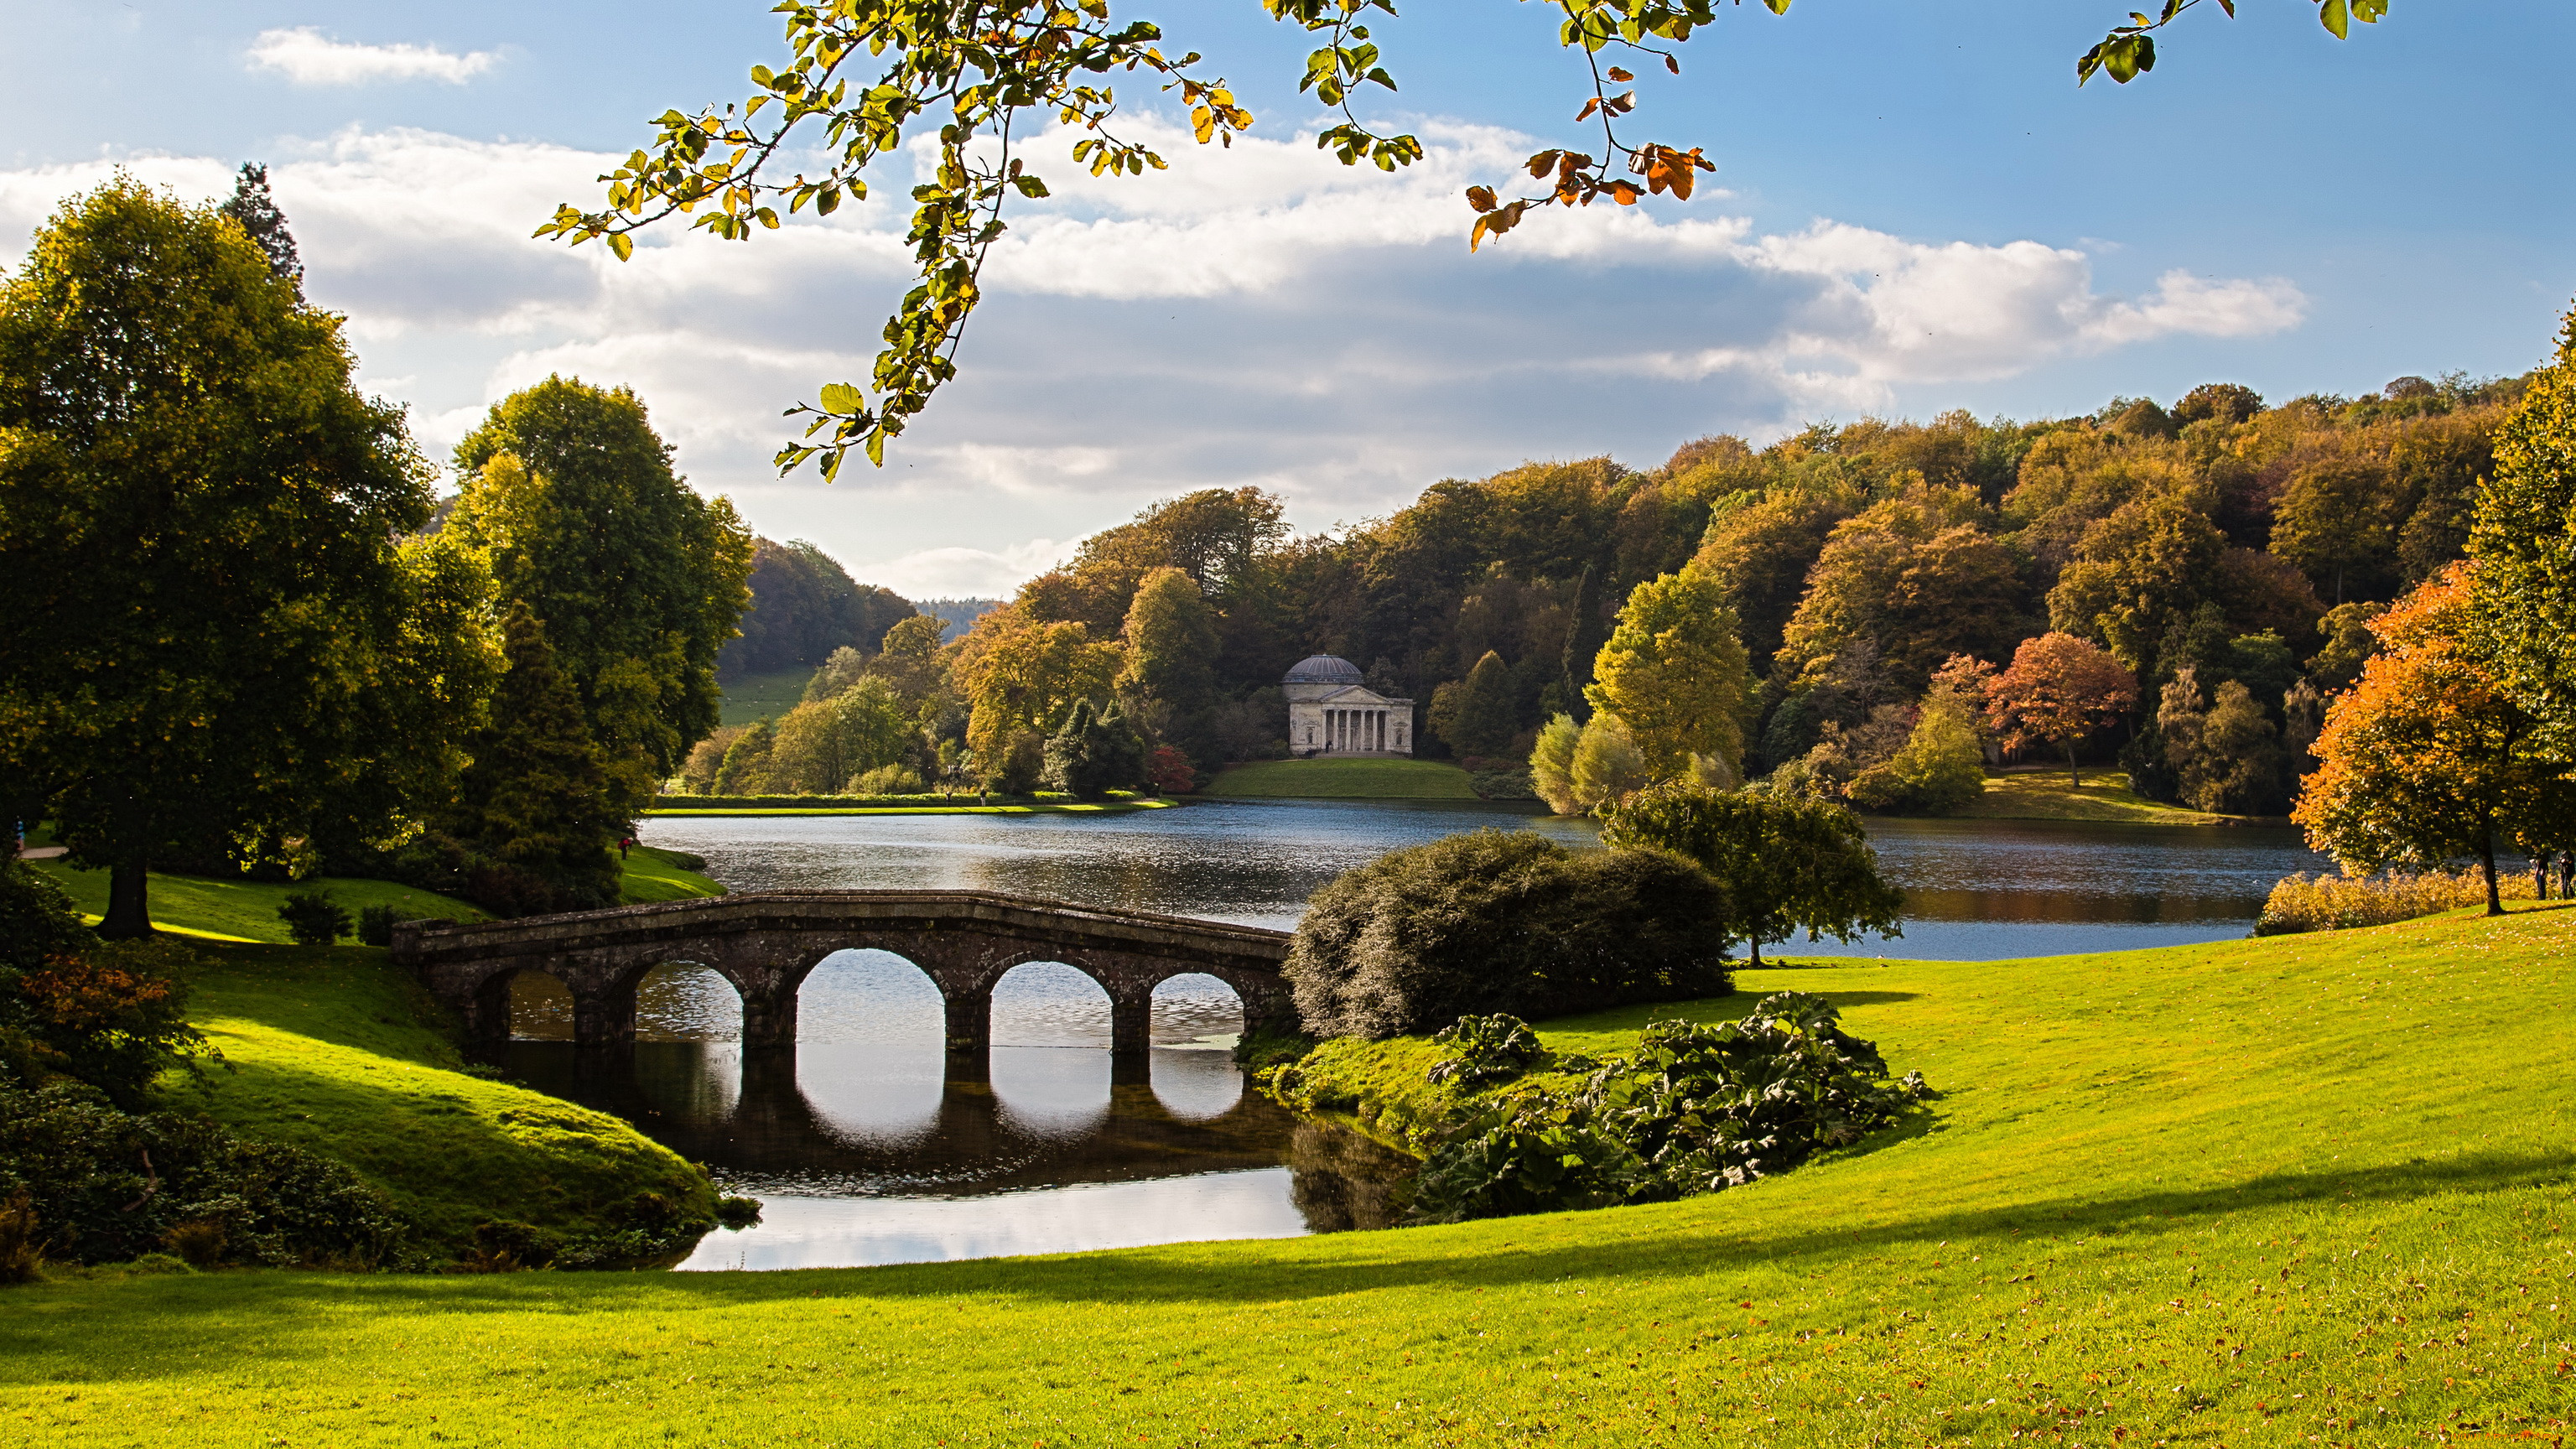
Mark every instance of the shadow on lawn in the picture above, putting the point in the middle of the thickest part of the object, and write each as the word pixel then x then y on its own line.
pixel 256 1309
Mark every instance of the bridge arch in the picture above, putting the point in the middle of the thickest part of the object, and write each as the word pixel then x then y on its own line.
pixel 767 943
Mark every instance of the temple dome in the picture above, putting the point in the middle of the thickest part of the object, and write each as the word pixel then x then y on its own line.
pixel 1323 669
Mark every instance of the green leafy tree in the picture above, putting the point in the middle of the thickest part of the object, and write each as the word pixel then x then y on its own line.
pixel 745 768
pixel 804 605
pixel 1674 672
pixel 214 637
pixel 1475 716
pixel 637 581
pixel 2524 542
pixel 1608 767
pixel 1096 751
pixel 2337 521
pixel 1938 770
pixel 537 803
pixel 2137 574
pixel 1785 863
pixel 1551 765
pixel 1020 677
pixel 253 210
pixel 822 745
pixel 1171 638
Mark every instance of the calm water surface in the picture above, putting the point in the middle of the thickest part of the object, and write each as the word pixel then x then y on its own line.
pixel 871 1144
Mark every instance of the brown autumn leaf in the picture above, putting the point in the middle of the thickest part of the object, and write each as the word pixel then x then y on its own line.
pixel 1481 197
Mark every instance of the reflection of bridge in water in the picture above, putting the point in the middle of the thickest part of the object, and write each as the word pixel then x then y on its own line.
pixel 766 943
pixel 1056 1116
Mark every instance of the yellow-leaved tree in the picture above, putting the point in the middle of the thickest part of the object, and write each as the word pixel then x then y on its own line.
pixel 1020 676
pixel 1674 673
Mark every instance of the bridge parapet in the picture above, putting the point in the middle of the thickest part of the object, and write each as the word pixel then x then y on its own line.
pixel 766 942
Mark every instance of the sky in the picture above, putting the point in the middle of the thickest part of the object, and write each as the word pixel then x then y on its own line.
pixel 1914 209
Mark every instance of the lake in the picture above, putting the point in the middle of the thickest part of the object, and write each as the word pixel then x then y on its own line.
pixel 871 1144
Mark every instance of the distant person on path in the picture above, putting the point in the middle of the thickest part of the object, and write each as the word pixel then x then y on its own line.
pixel 624 846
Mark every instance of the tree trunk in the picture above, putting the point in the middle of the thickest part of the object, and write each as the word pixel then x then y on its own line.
pixel 129 910
pixel 1756 962
pixel 2073 773
pixel 2486 858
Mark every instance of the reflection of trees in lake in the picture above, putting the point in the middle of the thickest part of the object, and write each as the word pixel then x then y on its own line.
pixel 1345 1181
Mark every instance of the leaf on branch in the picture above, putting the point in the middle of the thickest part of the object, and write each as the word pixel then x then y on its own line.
pixel 1589 107
pixel 1543 163
pixel 622 244
pixel 841 398
pixel 1481 197
pixel 1495 224
pixel 1620 77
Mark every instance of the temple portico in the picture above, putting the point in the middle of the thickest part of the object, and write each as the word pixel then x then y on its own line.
pixel 1331 712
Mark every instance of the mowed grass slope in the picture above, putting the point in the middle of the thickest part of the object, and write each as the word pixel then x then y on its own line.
pixel 2305 1189
pixel 1345 779
pixel 246 910
pixel 2049 793
pixel 341 1051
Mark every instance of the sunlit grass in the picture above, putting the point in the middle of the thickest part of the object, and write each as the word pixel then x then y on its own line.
pixel 1345 779
pixel 341 1051
pixel 2036 793
pixel 2304 1188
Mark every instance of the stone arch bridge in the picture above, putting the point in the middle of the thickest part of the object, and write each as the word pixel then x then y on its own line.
pixel 767 942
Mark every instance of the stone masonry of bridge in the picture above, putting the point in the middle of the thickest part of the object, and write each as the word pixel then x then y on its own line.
pixel 766 942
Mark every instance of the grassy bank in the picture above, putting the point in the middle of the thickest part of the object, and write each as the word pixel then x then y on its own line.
pixel 340 1051
pixel 2303 1188
pixel 246 910
pixel 1331 779
pixel 2035 793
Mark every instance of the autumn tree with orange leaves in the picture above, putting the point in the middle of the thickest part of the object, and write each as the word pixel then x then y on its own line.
pixel 2059 690
pixel 2428 759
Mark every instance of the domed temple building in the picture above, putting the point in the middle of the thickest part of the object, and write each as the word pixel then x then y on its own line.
pixel 1330 712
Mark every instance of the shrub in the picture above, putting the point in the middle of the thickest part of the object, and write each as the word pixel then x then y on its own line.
pixel 114 1019
pixel 1490 921
pixel 22 1252
pixel 376 924
pixel 2335 902
pixel 888 780
pixel 105 1186
pixel 1487 1049
pixel 37 919
pixel 737 1213
pixel 1169 770
pixel 313 918
pixel 1697 1109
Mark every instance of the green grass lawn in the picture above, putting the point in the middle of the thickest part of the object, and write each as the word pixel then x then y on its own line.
pixel 758 696
pixel 339 1050
pixel 655 875
pixel 2037 793
pixel 1345 779
pixel 246 910
pixel 2303 1189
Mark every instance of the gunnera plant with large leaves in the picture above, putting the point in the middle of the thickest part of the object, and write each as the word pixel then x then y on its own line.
pixel 1495 921
pixel 1696 1109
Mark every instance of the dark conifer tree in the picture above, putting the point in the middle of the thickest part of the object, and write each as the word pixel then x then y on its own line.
pixel 536 798
pixel 257 213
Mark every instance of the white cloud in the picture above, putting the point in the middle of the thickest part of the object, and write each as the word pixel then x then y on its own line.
pixel 1260 316
pixel 307 57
